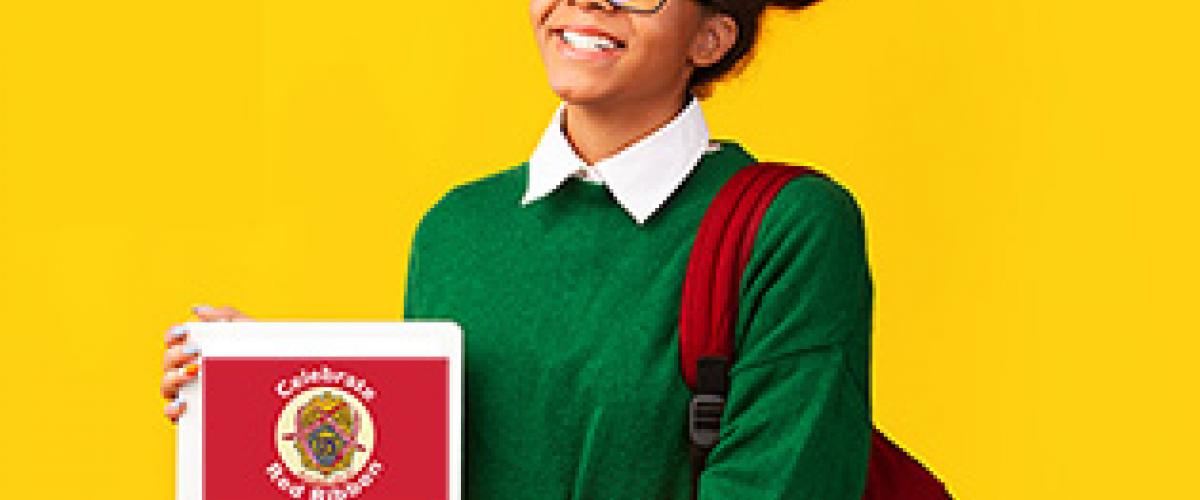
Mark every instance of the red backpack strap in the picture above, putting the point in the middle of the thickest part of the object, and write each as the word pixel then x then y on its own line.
pixel 720 253
pixel 710 296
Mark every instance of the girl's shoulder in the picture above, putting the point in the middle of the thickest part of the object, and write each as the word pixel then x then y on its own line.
pixel 472 201
pixel 814 206
pixel 819 193
pixel 805 197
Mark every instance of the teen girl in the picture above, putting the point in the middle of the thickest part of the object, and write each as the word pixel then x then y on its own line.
pixel 565 273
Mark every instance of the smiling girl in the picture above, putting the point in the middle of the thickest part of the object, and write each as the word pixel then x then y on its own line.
pixel 565 272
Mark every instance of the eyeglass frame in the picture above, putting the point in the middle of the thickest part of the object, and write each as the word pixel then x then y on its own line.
pixel 616 4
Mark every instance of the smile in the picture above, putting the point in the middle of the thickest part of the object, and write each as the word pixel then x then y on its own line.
pixel 588 39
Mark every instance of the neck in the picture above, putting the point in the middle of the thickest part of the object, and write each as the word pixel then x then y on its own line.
pixel 599 131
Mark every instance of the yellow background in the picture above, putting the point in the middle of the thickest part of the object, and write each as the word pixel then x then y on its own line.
pixel 1027 170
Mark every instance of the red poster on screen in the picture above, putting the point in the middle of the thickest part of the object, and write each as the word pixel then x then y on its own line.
pixel 325 428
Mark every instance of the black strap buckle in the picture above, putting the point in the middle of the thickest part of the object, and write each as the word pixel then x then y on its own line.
pixel 708 402
pixel 704 419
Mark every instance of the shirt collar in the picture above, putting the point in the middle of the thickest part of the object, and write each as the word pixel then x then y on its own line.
pixel 640 177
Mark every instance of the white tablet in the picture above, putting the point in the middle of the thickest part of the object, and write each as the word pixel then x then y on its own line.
pixel 322 411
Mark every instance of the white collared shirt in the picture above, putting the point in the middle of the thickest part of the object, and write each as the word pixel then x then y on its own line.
pixel 640 177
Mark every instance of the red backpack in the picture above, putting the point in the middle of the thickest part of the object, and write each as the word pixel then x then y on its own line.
pixel 706 324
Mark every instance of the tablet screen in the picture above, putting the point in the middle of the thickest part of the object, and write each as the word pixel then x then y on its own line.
pixel 322 411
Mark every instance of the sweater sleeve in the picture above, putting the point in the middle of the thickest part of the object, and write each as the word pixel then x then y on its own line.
pixel 797 422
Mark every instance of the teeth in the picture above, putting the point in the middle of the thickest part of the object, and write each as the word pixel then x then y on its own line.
pixel 582 41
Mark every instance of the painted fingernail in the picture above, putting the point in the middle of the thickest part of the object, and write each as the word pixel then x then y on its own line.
pixel 191 350
pixel 191 370
pixel 175 332
pixel 199 308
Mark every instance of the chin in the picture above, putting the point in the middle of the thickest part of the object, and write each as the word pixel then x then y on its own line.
pixel 582 93
pixel 577 96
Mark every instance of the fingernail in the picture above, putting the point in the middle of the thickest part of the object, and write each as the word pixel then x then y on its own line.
pixel 175 332
pixel 199 308
pixel 191 350
pixel 191 370
pixel 175 404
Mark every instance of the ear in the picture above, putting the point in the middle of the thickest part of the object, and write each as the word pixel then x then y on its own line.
pixel 716 36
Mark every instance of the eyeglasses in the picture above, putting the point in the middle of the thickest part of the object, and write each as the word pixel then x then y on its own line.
pixel 638 6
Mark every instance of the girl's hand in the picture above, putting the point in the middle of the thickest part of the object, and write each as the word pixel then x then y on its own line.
pixel 181 362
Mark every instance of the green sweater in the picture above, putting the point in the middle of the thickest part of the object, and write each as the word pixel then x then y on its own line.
pixel 570 318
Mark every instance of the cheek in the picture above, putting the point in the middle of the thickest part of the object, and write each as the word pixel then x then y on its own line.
pixel 667 35
pixel 663 52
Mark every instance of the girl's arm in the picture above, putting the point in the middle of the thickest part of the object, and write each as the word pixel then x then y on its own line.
pixel 797 422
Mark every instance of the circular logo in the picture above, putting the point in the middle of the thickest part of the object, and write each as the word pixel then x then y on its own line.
pixel 324 435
